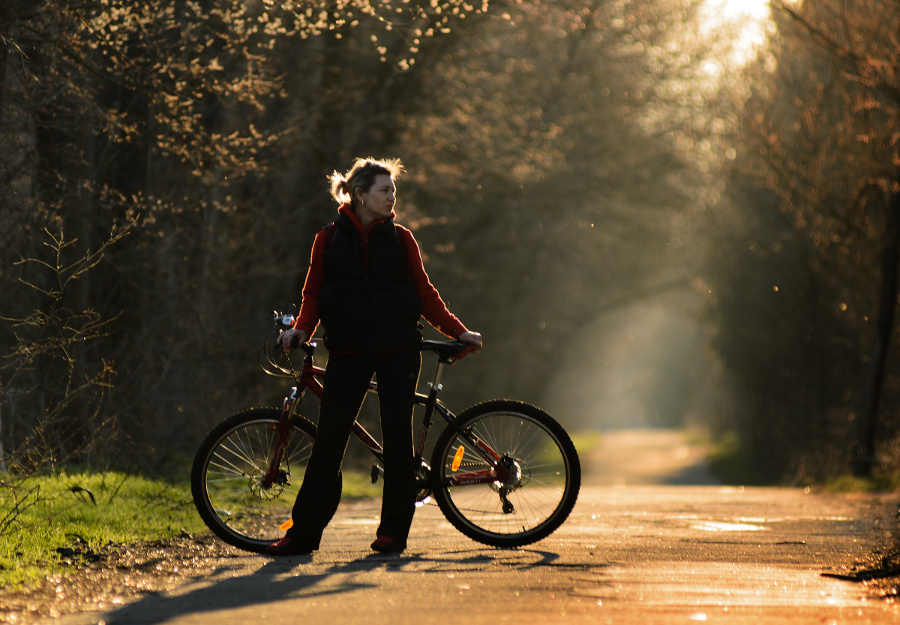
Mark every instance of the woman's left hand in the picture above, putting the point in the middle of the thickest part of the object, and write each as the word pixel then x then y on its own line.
pixel 472 338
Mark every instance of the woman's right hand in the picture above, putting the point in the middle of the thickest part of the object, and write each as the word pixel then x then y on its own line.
pixel 288 337
pixel 472 338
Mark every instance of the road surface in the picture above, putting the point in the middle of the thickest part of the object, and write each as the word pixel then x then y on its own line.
pixel 651 540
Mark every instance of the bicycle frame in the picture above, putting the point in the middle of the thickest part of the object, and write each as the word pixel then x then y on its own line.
pixel 310 379
pixel 518 470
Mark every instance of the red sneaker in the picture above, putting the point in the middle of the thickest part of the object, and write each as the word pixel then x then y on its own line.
pixel 386 544
pixel 288 546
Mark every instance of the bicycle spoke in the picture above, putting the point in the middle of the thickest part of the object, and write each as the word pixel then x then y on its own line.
pixel 532 497
pixel 233 495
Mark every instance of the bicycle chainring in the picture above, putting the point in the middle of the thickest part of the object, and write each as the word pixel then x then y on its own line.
pixel 423 492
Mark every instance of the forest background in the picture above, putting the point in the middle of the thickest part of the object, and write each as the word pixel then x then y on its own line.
pixel 657 216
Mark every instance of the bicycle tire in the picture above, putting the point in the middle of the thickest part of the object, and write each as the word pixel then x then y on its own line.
pixel 227 472
pixel 543 496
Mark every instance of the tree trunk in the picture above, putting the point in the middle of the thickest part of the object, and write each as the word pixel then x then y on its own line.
pixel 868 423
pixel 4 54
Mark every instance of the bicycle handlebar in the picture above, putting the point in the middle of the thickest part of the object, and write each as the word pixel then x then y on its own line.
pixel 447 351
pixel 307 347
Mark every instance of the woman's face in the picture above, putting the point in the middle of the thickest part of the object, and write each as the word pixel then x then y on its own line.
pixel 378 201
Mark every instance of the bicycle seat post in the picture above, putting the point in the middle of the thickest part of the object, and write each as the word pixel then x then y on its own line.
pixel 428 418
pixel 435 384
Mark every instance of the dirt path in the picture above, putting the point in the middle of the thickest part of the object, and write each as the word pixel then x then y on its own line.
pixel 616 472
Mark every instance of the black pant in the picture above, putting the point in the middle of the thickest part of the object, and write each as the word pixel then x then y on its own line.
pixel 347 377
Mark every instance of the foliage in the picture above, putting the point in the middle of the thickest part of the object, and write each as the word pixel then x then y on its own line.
pixel 205 128
pixel 805 291
pixel 167 117
pixel 563 157
pixel 47 375
pixel 574 161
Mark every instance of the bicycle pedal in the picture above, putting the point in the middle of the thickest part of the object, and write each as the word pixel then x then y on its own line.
pixel 375 473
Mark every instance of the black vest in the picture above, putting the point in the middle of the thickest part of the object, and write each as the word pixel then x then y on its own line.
pixel 367 305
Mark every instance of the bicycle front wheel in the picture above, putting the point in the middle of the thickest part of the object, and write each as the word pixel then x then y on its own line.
pixel 543 482
pixel 228 471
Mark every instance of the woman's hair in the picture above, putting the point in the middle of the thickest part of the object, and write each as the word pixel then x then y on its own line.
pixel 362 176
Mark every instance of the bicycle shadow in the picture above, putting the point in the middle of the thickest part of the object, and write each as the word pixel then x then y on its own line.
pixel 302 578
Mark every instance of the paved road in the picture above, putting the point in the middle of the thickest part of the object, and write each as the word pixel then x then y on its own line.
pixel 640 547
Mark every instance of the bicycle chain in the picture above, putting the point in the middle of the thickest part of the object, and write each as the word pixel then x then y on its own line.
pixel 432 502
pixel 473 464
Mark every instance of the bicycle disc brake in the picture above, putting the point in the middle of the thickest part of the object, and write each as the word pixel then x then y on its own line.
pixel 274 490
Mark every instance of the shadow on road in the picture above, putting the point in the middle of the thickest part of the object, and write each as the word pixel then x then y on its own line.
pixel 237 586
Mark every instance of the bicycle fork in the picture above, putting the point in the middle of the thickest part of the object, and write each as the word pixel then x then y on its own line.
pixel 274 473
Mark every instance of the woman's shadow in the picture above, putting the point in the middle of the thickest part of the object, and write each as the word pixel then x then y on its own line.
pixel 233 587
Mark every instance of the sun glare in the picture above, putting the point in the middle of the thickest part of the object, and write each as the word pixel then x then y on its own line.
pixel 737 9
pixel 748 18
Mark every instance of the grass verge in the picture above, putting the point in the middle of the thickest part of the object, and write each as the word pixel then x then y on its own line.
pixel 47 521
pixel 586 442
pixel 731 462
pixel 878 483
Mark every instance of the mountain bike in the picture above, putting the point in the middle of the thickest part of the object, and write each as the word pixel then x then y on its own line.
pixel 503 472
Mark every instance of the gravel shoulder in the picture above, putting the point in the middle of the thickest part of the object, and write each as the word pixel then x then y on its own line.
pixel 116 575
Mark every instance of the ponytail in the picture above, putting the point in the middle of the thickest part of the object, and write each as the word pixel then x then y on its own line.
pixel 340 188
pixel 362 176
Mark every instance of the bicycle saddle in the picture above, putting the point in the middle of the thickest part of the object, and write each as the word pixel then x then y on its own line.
pixel 446 350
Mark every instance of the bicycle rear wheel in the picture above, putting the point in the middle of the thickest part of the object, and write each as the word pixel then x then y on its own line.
pixel 227 477
pixel 544 480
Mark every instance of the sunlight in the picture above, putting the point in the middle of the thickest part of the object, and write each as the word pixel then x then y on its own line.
pixel 753 9
pixel 749 19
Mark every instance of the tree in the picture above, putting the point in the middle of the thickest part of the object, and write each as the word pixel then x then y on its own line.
pixel 171 116
pixel 545 138
pixel 820 133
pixel 554 137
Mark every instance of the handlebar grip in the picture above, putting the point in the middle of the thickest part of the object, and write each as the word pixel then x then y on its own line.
pixel 468 350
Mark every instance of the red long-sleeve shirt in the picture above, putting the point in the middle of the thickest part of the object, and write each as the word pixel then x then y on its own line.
pixel 434 310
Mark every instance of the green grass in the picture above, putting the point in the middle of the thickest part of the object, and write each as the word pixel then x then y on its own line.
pixel 731 462
pixel 87 511
pixel 586 442
pixel 358 485
pixel 881 483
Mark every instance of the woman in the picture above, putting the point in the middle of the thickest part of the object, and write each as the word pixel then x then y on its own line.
pixel 367 285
